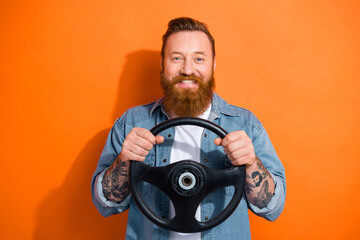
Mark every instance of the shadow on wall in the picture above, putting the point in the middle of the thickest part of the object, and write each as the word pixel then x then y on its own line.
pixel 140 81
pixel 68 212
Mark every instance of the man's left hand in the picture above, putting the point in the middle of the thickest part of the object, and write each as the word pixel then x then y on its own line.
pixel 238 148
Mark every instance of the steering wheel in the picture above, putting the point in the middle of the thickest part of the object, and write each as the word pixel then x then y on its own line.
pixel 186 183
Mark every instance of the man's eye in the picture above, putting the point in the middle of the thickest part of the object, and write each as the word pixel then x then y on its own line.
pixel 199 59
pixel 176 58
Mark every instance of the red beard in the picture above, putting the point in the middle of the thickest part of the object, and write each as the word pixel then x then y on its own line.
pixel 187 102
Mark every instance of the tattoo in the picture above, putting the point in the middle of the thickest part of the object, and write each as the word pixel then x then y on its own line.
pixel 258 179
pixel 115 182
pixel 264 196
pixel 248 186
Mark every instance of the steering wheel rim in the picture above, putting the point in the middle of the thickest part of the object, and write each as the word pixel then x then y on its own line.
pixel 186 201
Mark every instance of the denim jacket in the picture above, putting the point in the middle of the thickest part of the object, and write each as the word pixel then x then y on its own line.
pixel 229 117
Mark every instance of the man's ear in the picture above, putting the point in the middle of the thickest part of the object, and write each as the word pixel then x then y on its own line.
pixel 214 65
pixel 161 62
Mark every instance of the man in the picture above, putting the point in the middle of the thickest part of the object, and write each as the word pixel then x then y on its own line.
pixel 188 64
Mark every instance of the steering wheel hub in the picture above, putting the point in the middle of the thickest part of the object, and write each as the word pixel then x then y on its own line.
pixel 187 178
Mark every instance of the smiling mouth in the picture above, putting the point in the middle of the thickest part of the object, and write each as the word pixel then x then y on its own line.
pixel 187 84
pixel 187 81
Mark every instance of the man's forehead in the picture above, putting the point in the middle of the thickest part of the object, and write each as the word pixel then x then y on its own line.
pixel 194 41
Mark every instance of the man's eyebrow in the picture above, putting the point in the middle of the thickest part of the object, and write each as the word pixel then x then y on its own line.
pixel 176 52
pixel 196 52
pixel 200 52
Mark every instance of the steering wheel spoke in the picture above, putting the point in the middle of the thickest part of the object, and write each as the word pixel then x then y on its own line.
pixel 223 178
pixel 156 176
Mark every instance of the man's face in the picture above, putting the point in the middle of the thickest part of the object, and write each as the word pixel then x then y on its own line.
pixel 187 73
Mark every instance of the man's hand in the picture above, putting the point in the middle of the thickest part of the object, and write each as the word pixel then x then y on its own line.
pixel 138 143
pixel 260 186
pixel 238 148
pixel 136 146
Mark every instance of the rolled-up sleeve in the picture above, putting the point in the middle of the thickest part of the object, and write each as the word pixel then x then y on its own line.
pixel 274 208
pixel 267 155
pixel 108 207
pixel 110 152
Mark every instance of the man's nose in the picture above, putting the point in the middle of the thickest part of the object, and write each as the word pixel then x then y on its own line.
pixel 187 68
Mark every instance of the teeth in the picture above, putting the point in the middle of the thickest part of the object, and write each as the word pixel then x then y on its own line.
pixel 187 81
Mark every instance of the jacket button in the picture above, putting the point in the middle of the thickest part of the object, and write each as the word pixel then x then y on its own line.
pixel 206 160
pixel 169 136
pixel 206 218
pixel 165 160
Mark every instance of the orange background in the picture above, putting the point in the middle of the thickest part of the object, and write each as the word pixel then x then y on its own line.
pixel 69 68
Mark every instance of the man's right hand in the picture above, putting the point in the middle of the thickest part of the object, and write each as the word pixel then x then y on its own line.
pixel 138 143
pixel 136 147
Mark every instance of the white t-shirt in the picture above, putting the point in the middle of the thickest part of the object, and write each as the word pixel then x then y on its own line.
pixel 186 146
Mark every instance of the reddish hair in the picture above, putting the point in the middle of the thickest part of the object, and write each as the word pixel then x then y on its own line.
pixel 186 24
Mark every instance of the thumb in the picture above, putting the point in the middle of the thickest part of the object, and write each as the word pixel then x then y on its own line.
pixel 217 141
pixel 159 139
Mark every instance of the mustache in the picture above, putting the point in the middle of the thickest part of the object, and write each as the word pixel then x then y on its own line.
pixel 181 78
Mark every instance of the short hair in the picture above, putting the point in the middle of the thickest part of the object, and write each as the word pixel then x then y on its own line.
pixel 186 24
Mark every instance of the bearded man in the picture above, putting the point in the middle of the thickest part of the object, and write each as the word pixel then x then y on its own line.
pixel 187 79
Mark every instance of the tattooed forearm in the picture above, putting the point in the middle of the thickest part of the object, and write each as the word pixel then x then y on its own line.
pixel 116 181
pixel 259 186
pixel 249 187
pixel 264 196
